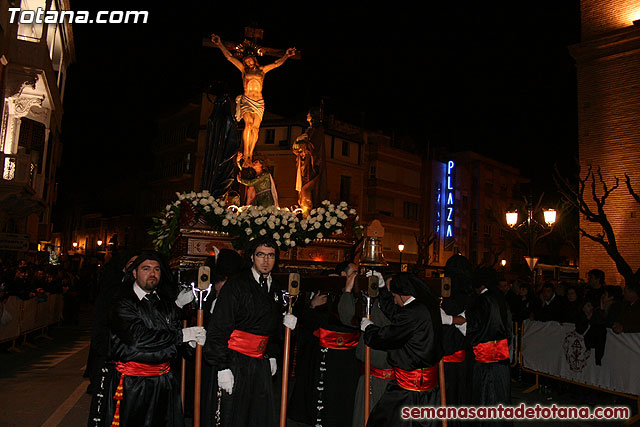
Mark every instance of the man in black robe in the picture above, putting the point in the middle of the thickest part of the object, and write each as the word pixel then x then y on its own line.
pixel 327 370
pixel 244 339
pixel 226 264
pixel 457 361
pixel 113 280
pixel 413 342
pixel 381 372
pixel 145 334
pixel 489 332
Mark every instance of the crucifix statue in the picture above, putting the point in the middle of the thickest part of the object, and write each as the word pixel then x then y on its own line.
pixel 250 105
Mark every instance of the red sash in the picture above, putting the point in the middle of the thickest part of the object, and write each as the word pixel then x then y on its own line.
pixel 419 380
pixel 337 340
pixel 492 351
pixel 251 345
pixel 134 369
pixel 456 357
pixel 385 374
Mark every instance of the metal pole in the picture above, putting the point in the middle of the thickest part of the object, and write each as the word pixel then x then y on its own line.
pixel 183 370
pixel 285 371
pixel 443 391
pixel 198 375
pixel 367 367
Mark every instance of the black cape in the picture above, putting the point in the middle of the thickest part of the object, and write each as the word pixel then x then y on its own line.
pixel 243 305
pixel 145 332
pixel 412 342
pixel 490 320
pixel 325 379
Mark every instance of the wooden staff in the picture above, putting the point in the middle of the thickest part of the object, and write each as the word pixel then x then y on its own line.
pixel 204 285
pixel 443 391
pixel 372 292
pixel 183 379
pixel 294 289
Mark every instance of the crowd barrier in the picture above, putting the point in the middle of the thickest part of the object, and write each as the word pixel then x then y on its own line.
pixel 30 315
pixel 557 351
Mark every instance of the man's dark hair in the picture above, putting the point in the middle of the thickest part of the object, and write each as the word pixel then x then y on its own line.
pixel 261 241
pixel 614 291
pixel 342 267
pixel 485 276
pixel 549 285
pixel 229 263
pixel 598 274
pixel 167 284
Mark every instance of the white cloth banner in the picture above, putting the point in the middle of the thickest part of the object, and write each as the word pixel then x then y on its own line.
pixel 556 349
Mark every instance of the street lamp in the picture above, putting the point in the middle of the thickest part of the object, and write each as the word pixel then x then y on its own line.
pixel 535 229
pixel 550 217
pixel 400 249
pixel 99 242
pixel 503 263
pixel 75 245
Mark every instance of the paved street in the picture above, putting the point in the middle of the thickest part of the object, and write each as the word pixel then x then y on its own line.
pixel 43 384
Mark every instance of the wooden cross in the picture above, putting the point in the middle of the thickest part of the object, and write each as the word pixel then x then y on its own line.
pixel 253 35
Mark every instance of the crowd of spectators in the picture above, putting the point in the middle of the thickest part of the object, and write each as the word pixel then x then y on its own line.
pixel 592 304
pixel 27 280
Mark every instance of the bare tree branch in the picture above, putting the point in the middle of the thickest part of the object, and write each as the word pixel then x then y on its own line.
pixel 606 238
pixel 633 193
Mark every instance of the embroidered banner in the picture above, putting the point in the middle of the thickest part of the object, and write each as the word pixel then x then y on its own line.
pixel 556 349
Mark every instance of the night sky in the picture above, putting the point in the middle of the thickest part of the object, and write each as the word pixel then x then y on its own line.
pixel 495 79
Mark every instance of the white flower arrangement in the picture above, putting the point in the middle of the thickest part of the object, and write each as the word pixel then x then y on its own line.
pixel 287 228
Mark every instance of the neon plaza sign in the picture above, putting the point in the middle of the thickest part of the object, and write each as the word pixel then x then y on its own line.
pixel 450 180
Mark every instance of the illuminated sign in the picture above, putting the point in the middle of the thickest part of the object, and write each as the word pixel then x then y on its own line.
pixel 450 181
pixel 437 221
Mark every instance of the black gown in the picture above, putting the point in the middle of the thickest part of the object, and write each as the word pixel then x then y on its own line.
pixel 490 320
pixel 411 344
pixel 145 332
pixel 326 379
pixel 453 342
pixel 244 305
pixel 347 310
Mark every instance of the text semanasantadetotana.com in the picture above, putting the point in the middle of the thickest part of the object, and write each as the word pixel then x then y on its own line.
pixel 522 412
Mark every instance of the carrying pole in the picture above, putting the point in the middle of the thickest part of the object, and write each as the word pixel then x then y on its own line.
pixel 372 291
pixel 443 391
pixel 291 295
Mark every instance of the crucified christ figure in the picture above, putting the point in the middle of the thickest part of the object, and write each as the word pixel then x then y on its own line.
pixel 250 105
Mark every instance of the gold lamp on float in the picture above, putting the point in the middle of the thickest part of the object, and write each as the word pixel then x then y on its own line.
pixel 372 255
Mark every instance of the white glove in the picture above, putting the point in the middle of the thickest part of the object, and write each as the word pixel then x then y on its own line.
pixel 225 380
pixel 274 365
pixel 446 319
pixel 290 321
pixel 364 323
pixel 194 333
pixel 378 275
pixel 184 297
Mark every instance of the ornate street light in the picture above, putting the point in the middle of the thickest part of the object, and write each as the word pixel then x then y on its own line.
pixel 533 229
pixel 400 249
pixel 512 218
pixel 550 216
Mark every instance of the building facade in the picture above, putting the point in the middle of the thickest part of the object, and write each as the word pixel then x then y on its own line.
pixel 33 62
pixel 608 60
pixel 454 204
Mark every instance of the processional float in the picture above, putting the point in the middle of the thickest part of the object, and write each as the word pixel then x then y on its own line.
pixel 193 229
